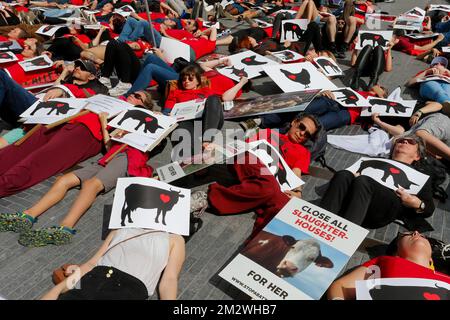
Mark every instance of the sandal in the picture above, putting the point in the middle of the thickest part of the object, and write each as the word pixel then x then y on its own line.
pixel 54 235
pixel 16 222
pixel 199 203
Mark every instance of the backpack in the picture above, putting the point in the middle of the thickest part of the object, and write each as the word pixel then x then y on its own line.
pixel 438 173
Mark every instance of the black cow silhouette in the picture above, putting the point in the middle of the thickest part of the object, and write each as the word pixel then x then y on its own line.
pixel 126 9
pixel 287 55
pixel 38 62
pixel 6 44
pixel 280 174
pixel 250 61
pixel 147 197
pixel 375 38
pixel 398 175
pixel 349 97
pixel 59 107
pixel 293 28
pixel 238 72
pixel 386 292
pixel 303 77
pixel 442 8
pixel 150 123
pixel 397 106
pixel 327 63
pixel 5 55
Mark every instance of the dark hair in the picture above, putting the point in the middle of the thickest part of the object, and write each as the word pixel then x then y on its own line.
pixel 118 22
pixel 191 69
pixel 313 118
pixel 399 32
pixel 244 43
pixel 148 103
pixel 39 48
pixel 23 34
pixel 233 46
pixel 61 32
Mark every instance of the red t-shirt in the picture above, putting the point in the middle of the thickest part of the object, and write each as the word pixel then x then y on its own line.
pixel 220 83
pixel 201 46
pixel 177 95
pixel 295 155
pixel 396 267
pixel 137 161
pixel 356 112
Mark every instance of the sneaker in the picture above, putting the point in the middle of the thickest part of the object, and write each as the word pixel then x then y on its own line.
pixel 250 124
pixel 16 222
pixel 106 82
pixel 42 237
pixel 199 203
pixel 120 89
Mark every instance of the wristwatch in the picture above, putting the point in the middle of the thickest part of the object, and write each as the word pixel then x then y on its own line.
pixel 421 207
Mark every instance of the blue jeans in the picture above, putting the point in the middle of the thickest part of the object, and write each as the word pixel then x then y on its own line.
pixel 13 97
pixel 329 112
pixel 442 27
pixel 438 91
pixel 135 29
pixel 156 69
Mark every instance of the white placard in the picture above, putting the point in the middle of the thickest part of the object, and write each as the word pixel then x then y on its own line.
pixel 419 36
pixel 37 63
pixel 387 107
pixel 390 173
pixel 125 11
pixel 287 55
pixel 49 30
pixel 7 56
pixel 276 165
pixel 136 140
pixel 172 49
pixel 434 77
pixel 373 39
pixel 412 23
pixel 292 29
pixel 245 64
pixel 298 77
pixel 446 49
pixel 347 97
pixel 170 172
pixel 262 24
pixel 402 289
pixel 292 12
pixel 297 255
pixel 439 7
pixel 328 66
pixel 10 45
pixel 209 24
pixel 56 109
pixel 418 12
pixel 188 110
pixel 102 103
pixel 151 204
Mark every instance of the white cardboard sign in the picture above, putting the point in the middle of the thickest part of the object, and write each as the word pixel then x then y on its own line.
pixel 102 103
pixel 328 66
pixel 387 107
pixel 287 55
pixel 373 39
pixel 54 109
pixel 7 56
pixel 188 110
pixel 49 30
pixel 37 63
pixel 172 49
pixel 347 97
pixel 292 29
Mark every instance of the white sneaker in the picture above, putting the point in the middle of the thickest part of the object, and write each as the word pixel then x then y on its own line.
pixel 120 89
pixel 106 82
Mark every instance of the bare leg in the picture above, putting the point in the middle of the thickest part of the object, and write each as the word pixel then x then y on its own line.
pixel 3 143
pixel 225 41
pixel 331 28
pixel 434 145
pixel 350 28
pixel 85 199
pixel 213 35
pixel 301 10
pixel 54 195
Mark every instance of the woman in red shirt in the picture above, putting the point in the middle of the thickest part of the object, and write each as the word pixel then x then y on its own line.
pixel 413 260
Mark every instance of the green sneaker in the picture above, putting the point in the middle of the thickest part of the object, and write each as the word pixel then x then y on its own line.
pixel 55 235
pixel 16 222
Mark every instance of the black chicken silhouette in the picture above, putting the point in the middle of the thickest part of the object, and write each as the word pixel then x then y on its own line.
pixel 238 72
pixel 250 61
pixel 303 77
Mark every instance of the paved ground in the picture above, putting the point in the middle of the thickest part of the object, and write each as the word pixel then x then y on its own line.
pixel 26 273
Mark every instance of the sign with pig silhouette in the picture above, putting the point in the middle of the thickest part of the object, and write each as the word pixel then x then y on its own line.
pixel 347 97
pixel 387 107
pixel 37 63
pixel 292 29
pixel 245 64
pixel 390 173
pixel 149 203
pixel 275 164
pixel 328 66
pixel 298 77
pixel 373 38
pixel 297 255
pixel 7 56
pixel 53 110
pixel 402 289
pixel 10 45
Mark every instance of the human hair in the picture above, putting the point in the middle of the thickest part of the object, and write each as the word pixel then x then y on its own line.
pixel 23 34
pixel 118 22
pixel 39 48
pixel 233 46
pixel 244 43
pixel 190 70
pixel 148 103
pixel 420 142
pixel 313 118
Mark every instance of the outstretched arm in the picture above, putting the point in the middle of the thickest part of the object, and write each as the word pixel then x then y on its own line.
pixel 168 287
pixel 344 287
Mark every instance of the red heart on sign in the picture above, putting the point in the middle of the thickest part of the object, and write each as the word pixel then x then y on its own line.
pixel 394 171
pixel 60 105
pixel 291 77
pixel 164 198
pixel 148 119
pixel 352 97
pixel 376 37
pixel 247 59
pixel 431 296
pixel 294 27
pixel 392 104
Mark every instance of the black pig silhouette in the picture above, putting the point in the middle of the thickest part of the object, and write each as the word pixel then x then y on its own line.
pixel 59 107
pixel 327 63
pixel 397 106
pixel 147 197
pixel 250 61
pixel 293 28
pixel 386 292
pixel 150 123
pixel 398 175
pixel 375 38
pixel 303 77
pixel 349 97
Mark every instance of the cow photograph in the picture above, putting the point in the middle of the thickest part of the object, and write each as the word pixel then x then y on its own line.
pixel 148 203
pixel 329 67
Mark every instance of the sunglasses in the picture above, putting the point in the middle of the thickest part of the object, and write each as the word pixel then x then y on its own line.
pixel 410 141
pixel 409 234
pixel 301 126
pixel 188 77
pixel 138 96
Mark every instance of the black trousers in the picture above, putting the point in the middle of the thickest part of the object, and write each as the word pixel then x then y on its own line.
pixel 370 62
pixel 212 119
pixel 361 200
pixel 120 56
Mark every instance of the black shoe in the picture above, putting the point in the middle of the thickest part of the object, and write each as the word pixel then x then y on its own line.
pixel 344 47
pixel 339 54
pixel 373 81
pixel 354 84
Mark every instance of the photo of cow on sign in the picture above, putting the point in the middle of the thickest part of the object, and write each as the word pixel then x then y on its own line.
pixel 148 203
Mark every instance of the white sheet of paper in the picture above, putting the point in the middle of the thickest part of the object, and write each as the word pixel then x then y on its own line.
pixel 7 56
pixel 347 97
pixel 136 140
pixel 422 36
pixel 263 24
pixel 439 7
pixel 416 12
pixel 49 30
pixel 287 55
pixel 387 107
pixel 170 172
pixel 57 109
pixel 446 49
pixel 188 110
pixel 10 45
pixel 328 66
pixel 292 29
pixel 391 174
pixel 37 63
pixel 412 23
pixel 112 106
pixel 373 38
pixel 144 200
pixel 298 77
pixel 173 49
pixel 293 12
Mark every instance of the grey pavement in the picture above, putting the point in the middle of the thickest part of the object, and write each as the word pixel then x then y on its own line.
pixel 26 273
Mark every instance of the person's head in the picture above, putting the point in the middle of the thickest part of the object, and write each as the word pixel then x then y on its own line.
pixel 246 43
pixel 170 23
pixel 85 70
pixel 61 32
pixel 17 33
pixel 190 25
pixel 379 91
pixel 190 77
pixel 32 48
pixel 117 22
pixel 439 62
pixel 340 25
pixel 409 148
pixel 141 98
pixel 303 127
pixel 414 246
pixel 108 8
